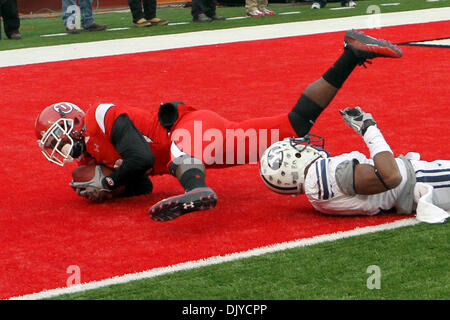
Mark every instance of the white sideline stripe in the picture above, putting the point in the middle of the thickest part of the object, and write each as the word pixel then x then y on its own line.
pixel 210 37
pixel 342 8
pixel 118 29
pixel 54 35
pixel 288 13
pixel 217 259
pixel 238 18
pixel 440 42
pixel 177 23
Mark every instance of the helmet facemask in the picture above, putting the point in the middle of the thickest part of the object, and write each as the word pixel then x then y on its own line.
pixel 57 143
pixel 310 140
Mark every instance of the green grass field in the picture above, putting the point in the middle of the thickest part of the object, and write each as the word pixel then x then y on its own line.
pixel 413 264
pixel 33 29
pixel 413 261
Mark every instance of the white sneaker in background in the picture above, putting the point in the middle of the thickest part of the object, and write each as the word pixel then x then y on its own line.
pixel 350 4
pixel 255 13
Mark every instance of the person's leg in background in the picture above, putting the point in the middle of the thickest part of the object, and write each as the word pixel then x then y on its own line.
pixel 252 9
pixel 136 9
pixel 87 18
pixel 262 7
pixel 138 14
pixel 67 13
pixel 210 11
pixel 1 20
pixel 198 11
pixel 150 13
pixel 11 20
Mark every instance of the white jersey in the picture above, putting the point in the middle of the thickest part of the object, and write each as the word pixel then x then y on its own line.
pixel 325 195
pixel 437 174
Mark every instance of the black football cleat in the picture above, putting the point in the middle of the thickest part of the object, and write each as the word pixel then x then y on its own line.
pixel 173 207
pixel 366 47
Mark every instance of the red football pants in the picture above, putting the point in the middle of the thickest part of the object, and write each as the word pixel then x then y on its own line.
pixel 219 142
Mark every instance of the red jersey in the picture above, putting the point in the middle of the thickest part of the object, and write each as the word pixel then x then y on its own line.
pixel 99 122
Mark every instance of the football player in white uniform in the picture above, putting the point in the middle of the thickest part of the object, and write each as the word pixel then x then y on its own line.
pixel 350 183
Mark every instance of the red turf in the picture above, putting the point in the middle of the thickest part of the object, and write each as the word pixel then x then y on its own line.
pixel 46 227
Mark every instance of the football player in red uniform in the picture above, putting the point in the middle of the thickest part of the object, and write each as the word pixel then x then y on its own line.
pixel 181 140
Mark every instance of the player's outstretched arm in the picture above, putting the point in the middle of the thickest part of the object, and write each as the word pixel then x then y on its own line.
pixel 384 174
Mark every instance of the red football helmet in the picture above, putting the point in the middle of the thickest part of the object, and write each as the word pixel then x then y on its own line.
pixel 59 128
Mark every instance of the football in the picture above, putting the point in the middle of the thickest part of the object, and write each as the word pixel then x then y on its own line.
pixel 85 173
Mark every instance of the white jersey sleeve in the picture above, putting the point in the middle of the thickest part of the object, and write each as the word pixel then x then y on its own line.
pixel 325 195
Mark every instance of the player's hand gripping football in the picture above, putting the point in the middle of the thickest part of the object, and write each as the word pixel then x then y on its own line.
pixel 93 189
pixel 357 119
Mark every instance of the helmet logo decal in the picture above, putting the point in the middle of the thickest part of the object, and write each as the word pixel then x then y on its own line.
pixel 63 108
pixel 275 158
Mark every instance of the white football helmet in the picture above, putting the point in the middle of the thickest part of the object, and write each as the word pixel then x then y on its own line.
pixel 282 166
